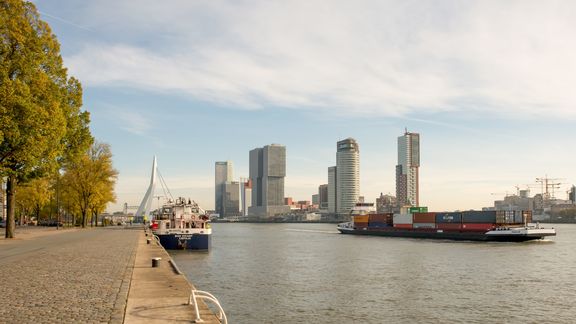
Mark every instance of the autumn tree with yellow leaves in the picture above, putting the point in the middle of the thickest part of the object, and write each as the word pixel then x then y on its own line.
pixel 42 126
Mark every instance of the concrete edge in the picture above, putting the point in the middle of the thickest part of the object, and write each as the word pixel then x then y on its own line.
pixel 119 311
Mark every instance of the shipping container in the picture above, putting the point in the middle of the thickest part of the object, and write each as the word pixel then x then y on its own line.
pixel 380 218
pixel 424 217
pixel 476 216
pixel 528 216
pixel 449 218
pixel 518 217
pixel 448 226
pixel 378 225
pixel 418 210
pixel 477 226
pixel 360 225
pixel 402 219
pixel 405 226
pixel 424 225
pixel 361 219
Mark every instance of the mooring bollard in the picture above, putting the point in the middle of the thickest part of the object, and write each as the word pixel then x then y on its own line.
pixel 155 262
pixel 147 241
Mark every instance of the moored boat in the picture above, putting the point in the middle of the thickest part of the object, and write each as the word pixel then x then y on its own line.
pixel 505 226
pixel 182 225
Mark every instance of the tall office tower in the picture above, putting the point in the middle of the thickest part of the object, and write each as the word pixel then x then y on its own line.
pixel 222 174
pixel 231 199
pixel 323 196
pixel 347 175
pixel 332 202
pixel 267 172
pixel 245 195
pixel 572 194
pixel 407 169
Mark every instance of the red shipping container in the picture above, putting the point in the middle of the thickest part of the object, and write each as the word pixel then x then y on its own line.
pixel 403 226
pixel 360 225
pixel 424 217
pixel 477 226
pixel 377 218
pixel 449 226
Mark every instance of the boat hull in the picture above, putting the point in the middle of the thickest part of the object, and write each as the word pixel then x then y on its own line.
pixel 442 235
pixel 196 242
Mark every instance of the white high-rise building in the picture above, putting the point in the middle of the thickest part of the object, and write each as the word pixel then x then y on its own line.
pixel 222 175
pixel 407 193
pixel 347 175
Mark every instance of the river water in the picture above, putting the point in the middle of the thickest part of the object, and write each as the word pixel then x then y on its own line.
pixel 308 273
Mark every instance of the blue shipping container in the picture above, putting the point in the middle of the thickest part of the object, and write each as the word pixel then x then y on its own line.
pixel 449 218
pixel 478 216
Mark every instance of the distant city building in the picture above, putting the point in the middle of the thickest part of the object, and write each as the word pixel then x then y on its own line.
pixel 332 202
pixel 385 204
pixel 407 169
pixel 323 196
pixel 288 201
pixel 572 195
pixel 347 175
pixel 245 196
pixel 514 202
pixel 231 199
pixel 316 199
pixel 222 175
pixel 267 172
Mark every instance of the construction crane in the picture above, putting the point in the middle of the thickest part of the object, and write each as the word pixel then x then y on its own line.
pixel 548 186
pixel 126 207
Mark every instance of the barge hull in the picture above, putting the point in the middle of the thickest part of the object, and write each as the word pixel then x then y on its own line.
pixel 197 242
pixel 444 235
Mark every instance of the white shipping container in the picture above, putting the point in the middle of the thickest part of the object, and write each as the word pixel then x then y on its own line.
pixel 424 225
pixel 402 218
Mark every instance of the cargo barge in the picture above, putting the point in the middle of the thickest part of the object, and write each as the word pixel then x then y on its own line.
pixel 503 226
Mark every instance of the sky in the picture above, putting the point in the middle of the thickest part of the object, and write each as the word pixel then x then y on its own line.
pixel 488 85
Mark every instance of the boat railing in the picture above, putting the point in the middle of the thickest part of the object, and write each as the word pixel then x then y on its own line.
pixel 195 295
pixel 156 238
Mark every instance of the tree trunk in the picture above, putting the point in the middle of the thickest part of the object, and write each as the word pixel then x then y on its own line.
pixel 10 204
pixel 83 219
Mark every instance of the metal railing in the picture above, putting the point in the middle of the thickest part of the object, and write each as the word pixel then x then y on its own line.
pixel 156 238
pixel 199 294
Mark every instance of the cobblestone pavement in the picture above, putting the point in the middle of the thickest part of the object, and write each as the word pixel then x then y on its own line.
pixel 75 277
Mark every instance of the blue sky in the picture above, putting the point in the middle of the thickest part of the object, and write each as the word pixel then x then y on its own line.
pixel 487 84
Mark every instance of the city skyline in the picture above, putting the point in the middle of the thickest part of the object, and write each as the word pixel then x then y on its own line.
pixel 194 83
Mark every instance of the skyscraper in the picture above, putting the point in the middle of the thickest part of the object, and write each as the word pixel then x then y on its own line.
pixel 407 169
pixel 231 199
pixel 245 195
pixel 332 205
pixel 323 196
pixel 267 172
pixel 347 175
pixel 222 175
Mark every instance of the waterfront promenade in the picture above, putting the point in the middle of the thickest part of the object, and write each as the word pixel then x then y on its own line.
pixel 86 276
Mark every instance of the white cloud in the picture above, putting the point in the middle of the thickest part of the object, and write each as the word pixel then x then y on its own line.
pixel 390 58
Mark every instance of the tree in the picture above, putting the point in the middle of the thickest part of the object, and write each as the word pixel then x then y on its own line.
pixel 90 180
pixel 41 124
pixel 33 197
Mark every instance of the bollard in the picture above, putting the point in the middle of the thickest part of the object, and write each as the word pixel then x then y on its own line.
pixel 147 241
pixel 155 262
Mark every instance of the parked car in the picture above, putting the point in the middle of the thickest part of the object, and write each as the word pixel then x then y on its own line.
pixel 2 223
